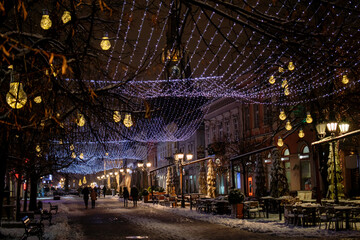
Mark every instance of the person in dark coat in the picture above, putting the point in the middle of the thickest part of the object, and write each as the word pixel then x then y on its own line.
pixel 134 194
pixel 104 190
pixel 126 196
pixel 93 196
pixel 85 193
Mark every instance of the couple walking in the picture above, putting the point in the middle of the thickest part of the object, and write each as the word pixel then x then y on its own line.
pixel 134 195
pixel 93 195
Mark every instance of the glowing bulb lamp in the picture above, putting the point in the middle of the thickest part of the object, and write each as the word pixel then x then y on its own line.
pixel 81 156
pixel 66 17
pixel 73 155
pixel 117 116
pixel 287 91
pixel 301 133
pixel 140 164
pixel 345 79
pixel 72 147
pixel 16 97
pixel 284 83
pixel 38 99
pixel 38 148
pixel 45 22
pixel 128 121
pixel 272 79
pixel 282 115
pixel 148 164
pixel 288 125
pixel 308 118
pixel 291 66
pixel 280 142
pixel 105 42
pixel 80 121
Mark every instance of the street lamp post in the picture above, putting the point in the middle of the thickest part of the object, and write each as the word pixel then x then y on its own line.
pixel 180 157
pixel 332 127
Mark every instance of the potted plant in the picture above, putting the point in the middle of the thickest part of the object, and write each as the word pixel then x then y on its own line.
pixel 145 194
pixel 236 199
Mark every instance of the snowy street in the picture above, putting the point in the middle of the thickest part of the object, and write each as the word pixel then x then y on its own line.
pixel 110 220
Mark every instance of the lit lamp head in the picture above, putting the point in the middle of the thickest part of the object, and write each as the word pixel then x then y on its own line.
pixel 321 129
pixel 128 170
pixel 140 164
pixel 121 170
pixel 148 164
pixel 105 42
pixel 111 173
pixel 180 156
pixel 301 133
pixel 282 115
pixel 344 127
pixel 189 156
pixel 332 126
pixel 116 173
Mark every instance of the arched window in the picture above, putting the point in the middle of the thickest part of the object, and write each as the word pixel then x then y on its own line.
pixel 285 157
pixel 305 168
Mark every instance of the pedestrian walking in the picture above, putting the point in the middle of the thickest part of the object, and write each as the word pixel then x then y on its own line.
pixel 104 190
pixel 126 196
pixel 134 194
pixel 85 193
pixel 93 196
pixel 98 191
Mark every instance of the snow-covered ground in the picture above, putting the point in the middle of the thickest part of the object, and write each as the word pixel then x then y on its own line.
pixel 72 205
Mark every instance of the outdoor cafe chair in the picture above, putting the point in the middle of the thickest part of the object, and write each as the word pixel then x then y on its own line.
pixel 354 217
pixel 289 214
pixel 335 218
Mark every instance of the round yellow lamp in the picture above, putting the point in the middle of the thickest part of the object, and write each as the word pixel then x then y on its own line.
pixel 284 83
pixel 128 121
pixel 286 91
pixel 105 42
pixel 282 115
pixel 291 66
pixel 280 142
pixel 117 116
pixel 288 125
pixel 38 99
pixel 301 133
pixel 272 79
pixel 308 118
pixel 345 79
pixel 45 22
pixel 80 121
pixel 66 17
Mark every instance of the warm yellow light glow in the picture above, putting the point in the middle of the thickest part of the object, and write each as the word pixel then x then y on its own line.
pixel 45 22
pixel 291 66
pixel 189 156
pixel 286 91
pixel 282 115
pixel 280 142
pixel 16 97
pixel 60 141
pixel 284 83
pixel 148 164
pixel 38 99
pixel 281 69
pixel 288 125
pixel 106 154
pixel 81 156
pixel 80 121
pixel 272 79
pixel 73 155
pixel 301 133
pixel 105 43
pixel 72 147
pixel 140 164
pixel 345 79
pixel 66 17
pixel 38 148
pixel 308 118
pixel 128 121
pixel 117 116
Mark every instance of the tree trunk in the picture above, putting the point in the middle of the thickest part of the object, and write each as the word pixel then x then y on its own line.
pixel 3 163
pixel 244 179
pixel 33 192
pixel 18 192
pixel 25 195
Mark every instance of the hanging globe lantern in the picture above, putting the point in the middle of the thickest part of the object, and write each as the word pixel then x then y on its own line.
pixel 128 121
pixel 280 142
pixel 308 118
pixel 288 125
pixel 105 42
pixel 66 17
pixel 301 133
pixel 80 121
pixel 38 99
pixel 345 79
pixel 117 116
pixel 16 97
pixel 45 22
pixel 282 115
pixel 272 79
pixel 291 66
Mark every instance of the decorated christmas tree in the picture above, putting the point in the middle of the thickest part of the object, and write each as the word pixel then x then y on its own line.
pixel 279 185
pixel 202 179
pixel 260 189
pixel 211 180
pixel 330 177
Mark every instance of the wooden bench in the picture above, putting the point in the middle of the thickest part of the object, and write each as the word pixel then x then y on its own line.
pixel 45 215
pixel 53 208
pixel 31 229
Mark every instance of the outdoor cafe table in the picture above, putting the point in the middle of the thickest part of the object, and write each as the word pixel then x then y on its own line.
pixel 266 202
pixel 311 208
pixel 346 210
